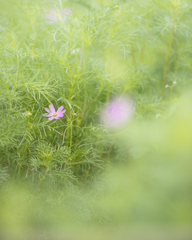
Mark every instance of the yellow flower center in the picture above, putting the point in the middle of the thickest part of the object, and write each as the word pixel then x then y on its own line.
pixel 54 114
pixel 29 114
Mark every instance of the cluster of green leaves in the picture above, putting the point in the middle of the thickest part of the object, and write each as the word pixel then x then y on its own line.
pixel 80 62
pixel 153 189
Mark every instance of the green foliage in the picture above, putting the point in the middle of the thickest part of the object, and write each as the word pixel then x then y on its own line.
pixel 141 49
pixel 79 62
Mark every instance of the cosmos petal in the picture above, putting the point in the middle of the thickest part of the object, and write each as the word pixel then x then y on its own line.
pixel 59 109
pixel 52 108
pixel 63 111
pixel 47 110
pixel 60 115
pixel 51 118
pixel 48 115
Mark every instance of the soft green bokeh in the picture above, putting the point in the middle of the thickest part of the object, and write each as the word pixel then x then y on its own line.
pixel 74 177
pixel 152 189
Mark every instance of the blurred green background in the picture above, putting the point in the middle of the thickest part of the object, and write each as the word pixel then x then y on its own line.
pixel 75 178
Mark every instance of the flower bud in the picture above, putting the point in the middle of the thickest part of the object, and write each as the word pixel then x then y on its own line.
pixel 174 83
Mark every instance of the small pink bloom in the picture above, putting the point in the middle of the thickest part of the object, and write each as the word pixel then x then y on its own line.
pixel 118 112
pixel 53 15
pixel 52 114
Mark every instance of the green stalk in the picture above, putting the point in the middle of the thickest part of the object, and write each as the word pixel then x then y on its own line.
pixel 167 61
pixel 85 102
pixel 71 135
pixel 86 55
pixel 76 57
pixel 40 182
pixel 108 70
pixel 171 92
pixel 169 51
pixel 109 63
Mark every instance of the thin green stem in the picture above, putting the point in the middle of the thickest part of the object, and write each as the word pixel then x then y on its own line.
pixel 40 182
pixel 86 55
pixel 76 57
pixel 167 61
pixel 169 50
pixel 71 135
pixel 171 92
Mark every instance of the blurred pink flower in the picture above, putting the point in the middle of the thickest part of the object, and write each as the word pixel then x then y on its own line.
pixel 118 112
pixel 52 114
pixel 53 15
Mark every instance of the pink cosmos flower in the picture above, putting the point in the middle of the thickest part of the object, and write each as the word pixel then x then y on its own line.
pixel 118 112
pixel 53 15
pixel 51 113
